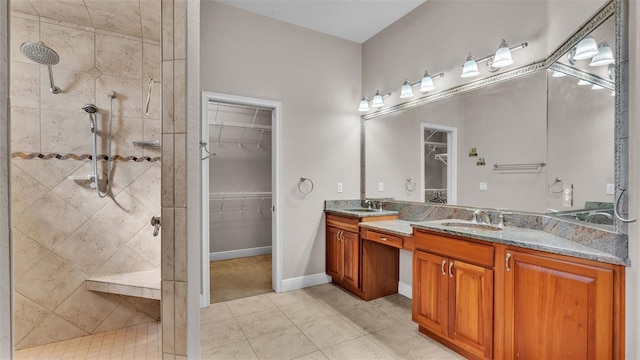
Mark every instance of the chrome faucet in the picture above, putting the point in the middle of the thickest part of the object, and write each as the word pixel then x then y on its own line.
pixel 481 217
pixel 501 219
pixel 380 206
pixel 370 202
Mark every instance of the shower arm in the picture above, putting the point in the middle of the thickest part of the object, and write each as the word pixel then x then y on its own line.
pixel 53 89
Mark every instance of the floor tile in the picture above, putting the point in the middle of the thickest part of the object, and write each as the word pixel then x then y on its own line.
pixel 215 312
pixel 306 311
pixel 318 355
pixel 360 348
pixel 329 331
pixel 289 297
pixel 282 345
pixel 241 350
pixel 220 333
pixel 404 342
pixel 251 305
pixel 367 319
pixel 263 323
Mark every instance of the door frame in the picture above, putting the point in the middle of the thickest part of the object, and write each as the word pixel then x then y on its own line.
pixel 276 231
pixel 452 160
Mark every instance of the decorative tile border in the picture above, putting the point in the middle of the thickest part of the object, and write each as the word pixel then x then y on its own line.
pixel 48 156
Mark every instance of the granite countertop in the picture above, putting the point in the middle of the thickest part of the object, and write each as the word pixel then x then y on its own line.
pixel 396 227
pixel 524 238
pixel 360 214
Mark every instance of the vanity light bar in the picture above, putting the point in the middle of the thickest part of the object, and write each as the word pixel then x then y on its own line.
pixel 376 102
pixel 503 54
pixel 426 85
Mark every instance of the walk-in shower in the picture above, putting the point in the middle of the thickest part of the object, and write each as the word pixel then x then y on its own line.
pixel 92 110
pixel 43 55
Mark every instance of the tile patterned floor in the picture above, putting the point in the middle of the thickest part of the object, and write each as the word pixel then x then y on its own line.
pixel 135 342
pixel 320 322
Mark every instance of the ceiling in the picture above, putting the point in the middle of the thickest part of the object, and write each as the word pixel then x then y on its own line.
pixel 354 20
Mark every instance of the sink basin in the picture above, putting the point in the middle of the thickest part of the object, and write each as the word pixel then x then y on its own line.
pixel 472 226
pixel 361 210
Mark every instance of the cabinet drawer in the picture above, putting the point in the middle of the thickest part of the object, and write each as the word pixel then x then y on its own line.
pixel 382 238
pixel 472 252
pixel 349 224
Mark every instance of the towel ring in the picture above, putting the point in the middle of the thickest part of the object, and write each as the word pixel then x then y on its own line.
pixel 302 181
pixel 409 185
pixel 550 186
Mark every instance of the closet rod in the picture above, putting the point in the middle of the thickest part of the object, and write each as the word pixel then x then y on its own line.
pixel 238 106
pixel 241 125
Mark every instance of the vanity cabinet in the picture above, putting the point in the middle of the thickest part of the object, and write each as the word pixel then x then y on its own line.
pixel 453 292
pixel 343 251
pixel 558 308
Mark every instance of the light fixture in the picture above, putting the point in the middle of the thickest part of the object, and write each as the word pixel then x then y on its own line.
pixel 557 74
pixel 502 56
pixel 406 91
pixel 596 87
pixel 470 67
pixel 583 82
pixel 586 49
pixel 376 101
pixel 613 93
pixel 603 57
pixel 426 84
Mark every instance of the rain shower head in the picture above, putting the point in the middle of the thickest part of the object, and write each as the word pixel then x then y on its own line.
pixel 90 108
pixel 42 54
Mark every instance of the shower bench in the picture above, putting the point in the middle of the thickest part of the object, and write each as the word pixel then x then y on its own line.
pixel 142 284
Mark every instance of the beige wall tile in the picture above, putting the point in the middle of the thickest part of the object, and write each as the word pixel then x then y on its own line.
pixel 167 97
pixel 180 174
pixel 152 63
pixel 25 129
pixel 65 132
pixel 25 85
pixel 180 29
pixel 50 283
pixel 167 29
pixel 168 316
pixel 124 261
pixel 168 253
pixel 118 56
pixel 125 130
pixel 49 173
pixel 121 23
pixel 25 190
pixel 72 11
pixel 155 103
pixel 167 171
pixel 80 195
pixel 29 251
pixel 126 172
pixel 124 8
pixel 180 244
pixel 87 309
pixel 147 306
pixel 42 221
pixel 152 129
pixel 98 239
pixel 147 246
pixel 151 31
pixel 22 30
pixel 166 356
pixel 146 188
pixel 52 329
pixel 124 316
pixel 180 96
pixel 22 6
pixel 75 47
pixel 78 88
pixel 27 316
pixel 129 95
pixel 181 318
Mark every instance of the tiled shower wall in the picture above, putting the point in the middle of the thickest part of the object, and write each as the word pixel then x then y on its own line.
pixel 63 231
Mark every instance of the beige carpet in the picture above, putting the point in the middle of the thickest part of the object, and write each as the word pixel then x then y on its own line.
pixel 239 278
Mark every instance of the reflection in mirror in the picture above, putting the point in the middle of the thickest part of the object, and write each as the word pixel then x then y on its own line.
pixel 580 169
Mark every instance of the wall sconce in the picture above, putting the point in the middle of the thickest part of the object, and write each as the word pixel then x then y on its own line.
pixel 587 48
pixel 426 84
pixel 604 56
pixel 501 58
pixel 376 102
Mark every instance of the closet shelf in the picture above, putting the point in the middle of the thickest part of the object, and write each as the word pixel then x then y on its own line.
pixel 239 195
pixel 441 157
pixel 238 125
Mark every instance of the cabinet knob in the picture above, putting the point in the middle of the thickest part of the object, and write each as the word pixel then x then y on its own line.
pixel 506 262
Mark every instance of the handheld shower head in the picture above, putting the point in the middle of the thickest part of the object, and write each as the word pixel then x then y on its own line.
pixel 90 108
pixel 42 54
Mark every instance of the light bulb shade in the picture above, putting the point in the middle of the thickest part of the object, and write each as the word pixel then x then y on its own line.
pixel 557 74
pixel 502 57
pixel 470 67
pixel 596 87
pixel 377 100
pixel 364 105
pixel 586 49
pixel 603 57
pixel 583 82
pixel 406 91
pixel 427 83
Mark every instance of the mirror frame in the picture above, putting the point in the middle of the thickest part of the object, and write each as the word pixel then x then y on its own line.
pixel 616 8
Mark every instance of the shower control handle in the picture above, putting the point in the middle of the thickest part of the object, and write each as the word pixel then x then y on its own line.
pixel 156 223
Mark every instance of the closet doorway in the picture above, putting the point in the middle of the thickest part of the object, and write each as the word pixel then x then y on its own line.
pixel 239 185
pixel 439 163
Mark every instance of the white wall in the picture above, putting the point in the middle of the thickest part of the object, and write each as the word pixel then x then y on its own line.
pixel 318 80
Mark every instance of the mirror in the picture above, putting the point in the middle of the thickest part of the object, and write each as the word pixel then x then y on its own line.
pixel 565 134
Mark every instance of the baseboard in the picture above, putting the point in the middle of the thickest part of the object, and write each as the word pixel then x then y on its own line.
pixel 405 289
pixel 305 281
pixel 234 254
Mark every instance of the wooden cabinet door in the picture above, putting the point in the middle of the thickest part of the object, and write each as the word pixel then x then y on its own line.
pixel 334 256
pixel 351 260
pixel 430 291
pixel 557 309
pixel 471 307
